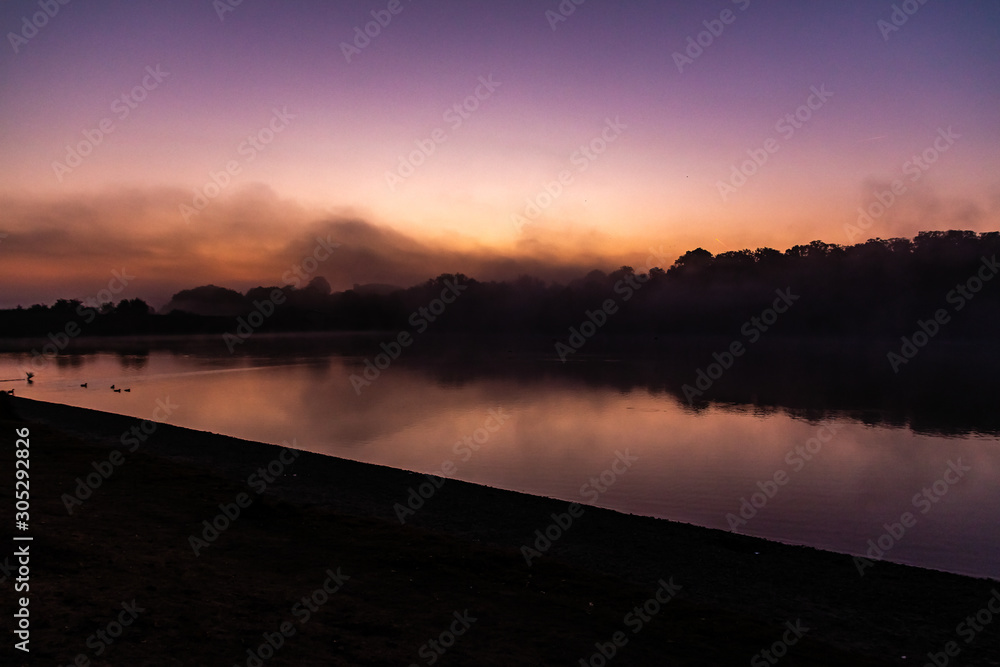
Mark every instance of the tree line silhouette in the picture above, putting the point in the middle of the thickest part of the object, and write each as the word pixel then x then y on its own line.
pixel 880 288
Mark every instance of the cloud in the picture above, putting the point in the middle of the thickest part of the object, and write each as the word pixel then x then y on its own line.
pixel 922 208
pixel 68 248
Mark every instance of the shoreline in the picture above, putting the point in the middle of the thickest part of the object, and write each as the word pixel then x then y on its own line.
pixel 761 584
pixel 89 420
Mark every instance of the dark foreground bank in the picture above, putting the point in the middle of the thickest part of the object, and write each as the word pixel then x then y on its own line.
pixel 308 565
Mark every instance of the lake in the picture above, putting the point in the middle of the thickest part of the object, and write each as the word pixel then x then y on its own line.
pixel 518 419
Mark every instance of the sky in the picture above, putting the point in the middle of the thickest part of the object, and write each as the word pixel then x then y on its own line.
pixel 192 142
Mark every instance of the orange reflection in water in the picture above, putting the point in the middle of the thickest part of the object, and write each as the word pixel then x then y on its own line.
pixel 570 440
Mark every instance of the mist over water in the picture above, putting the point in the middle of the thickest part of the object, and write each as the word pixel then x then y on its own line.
pixel 827 469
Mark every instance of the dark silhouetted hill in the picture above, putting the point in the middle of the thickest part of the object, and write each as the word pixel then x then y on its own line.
pixel 207 300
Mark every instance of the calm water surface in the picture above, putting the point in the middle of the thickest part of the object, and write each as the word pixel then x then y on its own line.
pixel 559 433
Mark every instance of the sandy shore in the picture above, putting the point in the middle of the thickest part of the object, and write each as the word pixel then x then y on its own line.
pixel 399 594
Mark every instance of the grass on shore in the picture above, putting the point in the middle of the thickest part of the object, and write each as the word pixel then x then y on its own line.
pixel 130 541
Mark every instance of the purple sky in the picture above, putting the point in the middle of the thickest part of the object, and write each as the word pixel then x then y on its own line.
pixel 495 188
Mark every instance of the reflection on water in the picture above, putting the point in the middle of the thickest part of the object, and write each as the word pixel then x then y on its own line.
pixel 831 482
